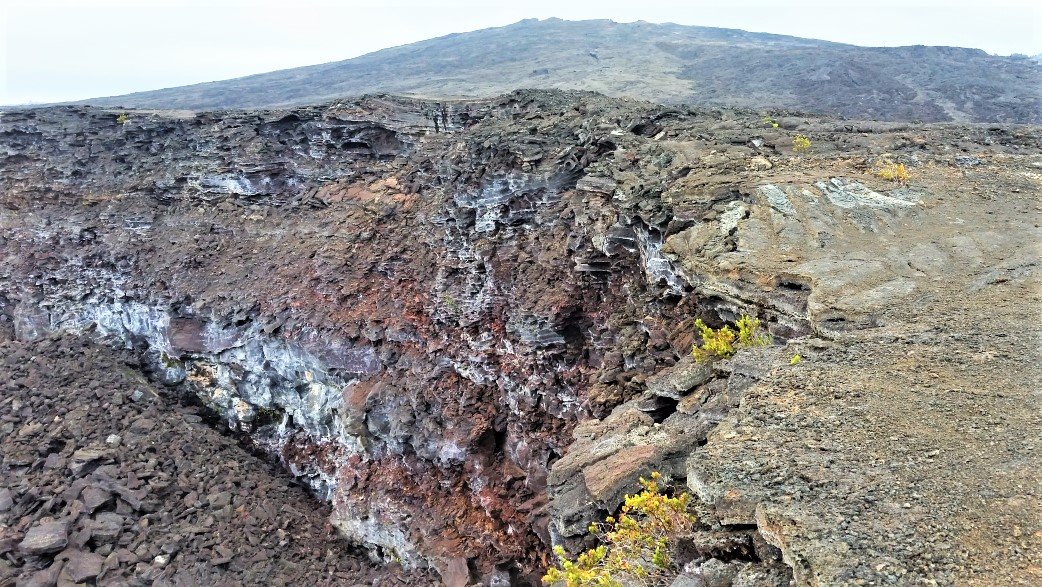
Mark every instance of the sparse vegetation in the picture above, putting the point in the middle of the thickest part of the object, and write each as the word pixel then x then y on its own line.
pixel 800 143
pixel 122 118
pixel 770 122
pixel 891 171
pixel 170 362
pixel 724 342
pixel 450 302
pixel 638 548
pixel 267 415
pixel 795 359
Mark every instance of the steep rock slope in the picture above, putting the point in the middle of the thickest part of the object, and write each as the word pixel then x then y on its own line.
pixel 659 62
pixel 103 479
pixel 467 325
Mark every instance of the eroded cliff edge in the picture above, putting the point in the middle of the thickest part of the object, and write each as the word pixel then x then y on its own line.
pixel 466 325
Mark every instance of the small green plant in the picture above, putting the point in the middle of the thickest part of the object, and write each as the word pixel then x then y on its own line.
pixel 770 122
pixel 267 415
pixel 724 342
pixel 795 359
pixel 450 302
pixel 170 362
pixel 800 143
pixel 638 548
pixel 122 118
pixel 891 171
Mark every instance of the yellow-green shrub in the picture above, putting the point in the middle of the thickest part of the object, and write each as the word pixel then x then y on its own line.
pixel 892 171
pixel 638 548
pixel 724 342
pixel 800 143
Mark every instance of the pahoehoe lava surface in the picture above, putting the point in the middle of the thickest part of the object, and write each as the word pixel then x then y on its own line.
pixel 466 326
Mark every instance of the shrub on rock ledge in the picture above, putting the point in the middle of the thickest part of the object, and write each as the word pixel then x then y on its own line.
pixel 724 342
pixel 638 548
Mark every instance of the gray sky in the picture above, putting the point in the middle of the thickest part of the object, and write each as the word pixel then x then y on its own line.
pixel 56 50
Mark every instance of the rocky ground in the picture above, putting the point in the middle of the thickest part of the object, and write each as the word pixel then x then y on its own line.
pixel 467 327
pixel 104 479
pixel 907 459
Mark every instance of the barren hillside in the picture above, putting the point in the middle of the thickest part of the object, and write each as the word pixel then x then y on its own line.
pixel 664 63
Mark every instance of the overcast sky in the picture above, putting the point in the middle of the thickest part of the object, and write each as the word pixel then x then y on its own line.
pixel 56 50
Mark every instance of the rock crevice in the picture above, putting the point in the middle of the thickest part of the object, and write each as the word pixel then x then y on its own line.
pixel 468 325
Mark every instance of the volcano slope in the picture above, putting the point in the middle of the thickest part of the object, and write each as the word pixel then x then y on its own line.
pixel 467 327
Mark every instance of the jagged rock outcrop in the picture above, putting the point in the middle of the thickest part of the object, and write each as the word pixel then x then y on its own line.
pixel 468 325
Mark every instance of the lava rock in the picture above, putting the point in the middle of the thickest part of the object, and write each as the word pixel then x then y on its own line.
pixel 83 566
pixel 45 538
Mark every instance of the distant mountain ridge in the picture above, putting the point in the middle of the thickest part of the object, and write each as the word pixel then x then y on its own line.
pixel 665 63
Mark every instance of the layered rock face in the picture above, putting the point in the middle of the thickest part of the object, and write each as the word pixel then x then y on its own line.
pixel 467 325
pixel 413 330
